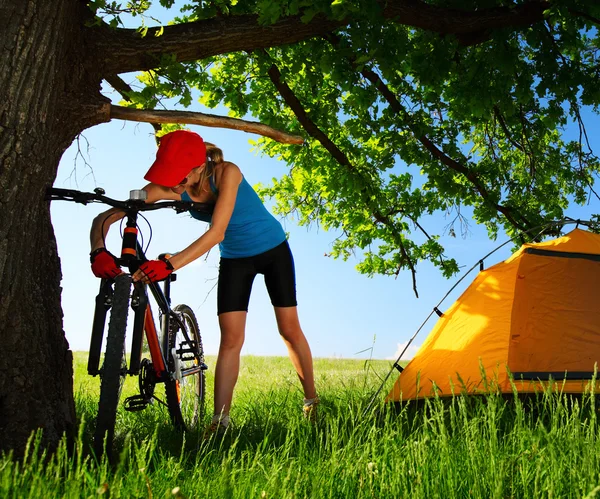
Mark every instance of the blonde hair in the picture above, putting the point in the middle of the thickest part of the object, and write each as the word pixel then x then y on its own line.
pixel 214 153
pixel 214 156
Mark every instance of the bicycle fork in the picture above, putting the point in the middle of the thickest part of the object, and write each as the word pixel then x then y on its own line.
pixel 139 304
pixel 103 305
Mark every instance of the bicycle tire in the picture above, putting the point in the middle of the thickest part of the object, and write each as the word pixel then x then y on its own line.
pixel 185 398
pixel 113 371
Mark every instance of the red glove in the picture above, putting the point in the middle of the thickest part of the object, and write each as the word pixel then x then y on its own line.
pixel 157 270
pixel 104 264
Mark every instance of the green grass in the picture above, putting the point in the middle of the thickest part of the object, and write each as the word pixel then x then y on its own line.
pixel 463 447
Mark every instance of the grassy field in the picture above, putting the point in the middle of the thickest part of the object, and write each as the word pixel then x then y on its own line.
pixel 466 447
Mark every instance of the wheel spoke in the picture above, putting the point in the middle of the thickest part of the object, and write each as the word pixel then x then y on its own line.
pixel 185 393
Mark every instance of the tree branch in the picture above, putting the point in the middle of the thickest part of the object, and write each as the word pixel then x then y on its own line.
pixel 438 153
pixel 314 131
pixel 124 89
pixel 526 142
pixel 125 50
pixel 210 120
pixel 310 126
pixel 506 130
pixel 155 117
pixel 585 16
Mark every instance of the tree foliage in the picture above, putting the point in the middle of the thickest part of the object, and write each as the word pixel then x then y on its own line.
pixel 443 106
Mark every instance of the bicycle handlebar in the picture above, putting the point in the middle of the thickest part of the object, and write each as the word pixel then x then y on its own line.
pixel 137 205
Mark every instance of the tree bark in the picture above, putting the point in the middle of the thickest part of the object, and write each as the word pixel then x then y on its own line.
pixel 42 82
pixel 125 50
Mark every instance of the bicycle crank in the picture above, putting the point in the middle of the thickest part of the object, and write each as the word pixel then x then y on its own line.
pixel 147 383
pixel 136 403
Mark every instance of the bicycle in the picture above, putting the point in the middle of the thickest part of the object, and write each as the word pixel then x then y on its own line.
pixel 176 356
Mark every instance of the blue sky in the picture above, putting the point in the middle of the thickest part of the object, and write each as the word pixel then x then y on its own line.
pixel 343 313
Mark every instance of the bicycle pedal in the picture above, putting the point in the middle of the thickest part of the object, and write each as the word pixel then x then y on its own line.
pixel 187 350
pixel 136 403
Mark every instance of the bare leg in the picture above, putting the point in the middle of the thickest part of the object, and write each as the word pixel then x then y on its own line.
pixel 298 348
pixel 232 325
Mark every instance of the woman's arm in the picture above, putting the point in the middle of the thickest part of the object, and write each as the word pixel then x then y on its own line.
pixel 100 227
pixel 104 220
pixel 231 177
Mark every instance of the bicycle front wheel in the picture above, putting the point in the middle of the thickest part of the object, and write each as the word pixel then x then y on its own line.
pixel 114 369
pixel 185 394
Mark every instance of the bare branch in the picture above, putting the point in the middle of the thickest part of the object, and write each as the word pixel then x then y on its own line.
pixel 155 117
pixel 80 154
pixel 209 120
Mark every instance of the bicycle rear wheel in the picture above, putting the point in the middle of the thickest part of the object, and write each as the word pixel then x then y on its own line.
pixel 185 394
pixel 114 369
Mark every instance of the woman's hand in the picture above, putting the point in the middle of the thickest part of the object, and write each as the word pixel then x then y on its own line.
pixel 104 264
pixel 153 271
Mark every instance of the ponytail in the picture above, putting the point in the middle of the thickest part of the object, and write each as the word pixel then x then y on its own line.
pixel 214 156
pixel 213 153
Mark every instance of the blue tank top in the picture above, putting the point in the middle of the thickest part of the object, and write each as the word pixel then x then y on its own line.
pixel 252 230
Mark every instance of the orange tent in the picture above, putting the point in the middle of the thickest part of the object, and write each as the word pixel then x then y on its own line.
pixel 536 314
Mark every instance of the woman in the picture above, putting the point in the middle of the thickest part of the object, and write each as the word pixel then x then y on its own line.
pixel 251 242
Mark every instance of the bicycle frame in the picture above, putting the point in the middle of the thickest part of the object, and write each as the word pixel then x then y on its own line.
pixel 132 256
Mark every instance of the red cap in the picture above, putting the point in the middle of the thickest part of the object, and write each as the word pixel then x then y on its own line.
pixel 178 154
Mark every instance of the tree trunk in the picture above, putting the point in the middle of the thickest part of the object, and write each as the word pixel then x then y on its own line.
pixel 43 81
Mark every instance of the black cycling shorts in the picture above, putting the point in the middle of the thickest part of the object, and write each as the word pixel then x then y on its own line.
pixel 236 276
